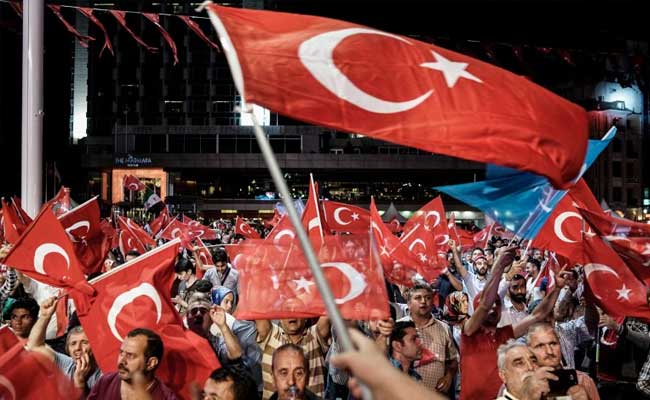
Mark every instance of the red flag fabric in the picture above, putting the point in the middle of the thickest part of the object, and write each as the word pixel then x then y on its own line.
pixel 418 96
pixel 61 203
pixel 44 252
pixel 607 225
pixel 136 295
pixel 12 227
pixel 313 216
pixel 283 232
pixel 462 237
pixel 83 39
pixel 120 16
pixel 343 217
pixel 394 226
pixel 84 229
pixel 554 264
pixel 392 260
pixel 205 256
pixel 276 281
pixel 155 18
pixel 563 231
pixel 177 229
pixel 160 221
pixel 88 12
pixel 421 244
pixel 242 228
pixel 8 339
pixel 132 183
pixel 615 288
pixel 431 215
pixel 136 230
pixel 20 369
pixel 199 230
pixel 129 242
pixel 197 29
pixel 270 223
pixel 22 214
pixel 635 251
pixel 482 237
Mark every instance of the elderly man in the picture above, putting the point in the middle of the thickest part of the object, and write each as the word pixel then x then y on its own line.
pixel 79 363
pixel 545 343
pixel 520 373
pixel 314 342
pixel 290 370
pixel 140 356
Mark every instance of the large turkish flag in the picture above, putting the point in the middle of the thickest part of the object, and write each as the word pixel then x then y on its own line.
pixel 394 88
pixel 137 295
pixel 276 281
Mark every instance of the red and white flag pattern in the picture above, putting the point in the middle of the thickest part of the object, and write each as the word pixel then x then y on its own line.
pixel 136 295
pixel 132 183
pixel 343 217
pixel 44 252
pixel 417 97
pixel 242 228
pixel 276 282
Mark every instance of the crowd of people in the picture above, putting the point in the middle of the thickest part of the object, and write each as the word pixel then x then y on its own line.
pixel 488 327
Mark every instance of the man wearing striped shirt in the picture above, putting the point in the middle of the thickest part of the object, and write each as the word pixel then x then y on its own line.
pixel 313 340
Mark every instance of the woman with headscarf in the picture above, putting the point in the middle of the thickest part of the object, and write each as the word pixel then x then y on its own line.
pixel 224 297
pixel 455 313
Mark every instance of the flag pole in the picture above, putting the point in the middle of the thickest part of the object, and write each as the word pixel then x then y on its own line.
pixel 31 186
pixel 310 255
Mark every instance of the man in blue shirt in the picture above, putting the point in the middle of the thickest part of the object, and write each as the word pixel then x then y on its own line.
pixel 405 348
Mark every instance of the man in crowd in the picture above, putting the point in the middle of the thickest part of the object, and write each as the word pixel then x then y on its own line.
pixel 520 373
pixel 314 342
pixel 23 313
pixel 140 356
pixel 514 304
pixel 481 337
pixel 290 370
pixel 545 343
pixel 405 348
pixel 79 363
pixel 223 274
pixel 229 383
pixel 437 373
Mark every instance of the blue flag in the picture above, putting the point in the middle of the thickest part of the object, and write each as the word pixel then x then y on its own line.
pixel 520 201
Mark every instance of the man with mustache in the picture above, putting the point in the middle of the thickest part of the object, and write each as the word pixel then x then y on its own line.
pixel 79 363
pixel 140 356
pixel 544 342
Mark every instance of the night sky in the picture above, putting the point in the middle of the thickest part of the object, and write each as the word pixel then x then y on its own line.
pixel 583 28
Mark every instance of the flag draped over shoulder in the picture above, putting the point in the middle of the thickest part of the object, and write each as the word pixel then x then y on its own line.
pixel 359 79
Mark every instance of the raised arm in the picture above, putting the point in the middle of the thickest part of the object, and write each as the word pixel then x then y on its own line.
pixel 489 294
pixel 36 339
pixel 218 316
pixel 460 267
pixel 263 329
pixel 544 308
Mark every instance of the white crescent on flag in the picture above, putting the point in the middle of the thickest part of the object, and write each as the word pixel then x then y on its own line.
pixel 144 289
pixel 43 250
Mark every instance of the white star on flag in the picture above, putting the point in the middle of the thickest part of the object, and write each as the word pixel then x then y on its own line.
pixel 355 216
pixel 384 251
pixel 303 283
pixel 623 293
pixel 423 257
pixel 452 70
pixel 427 228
